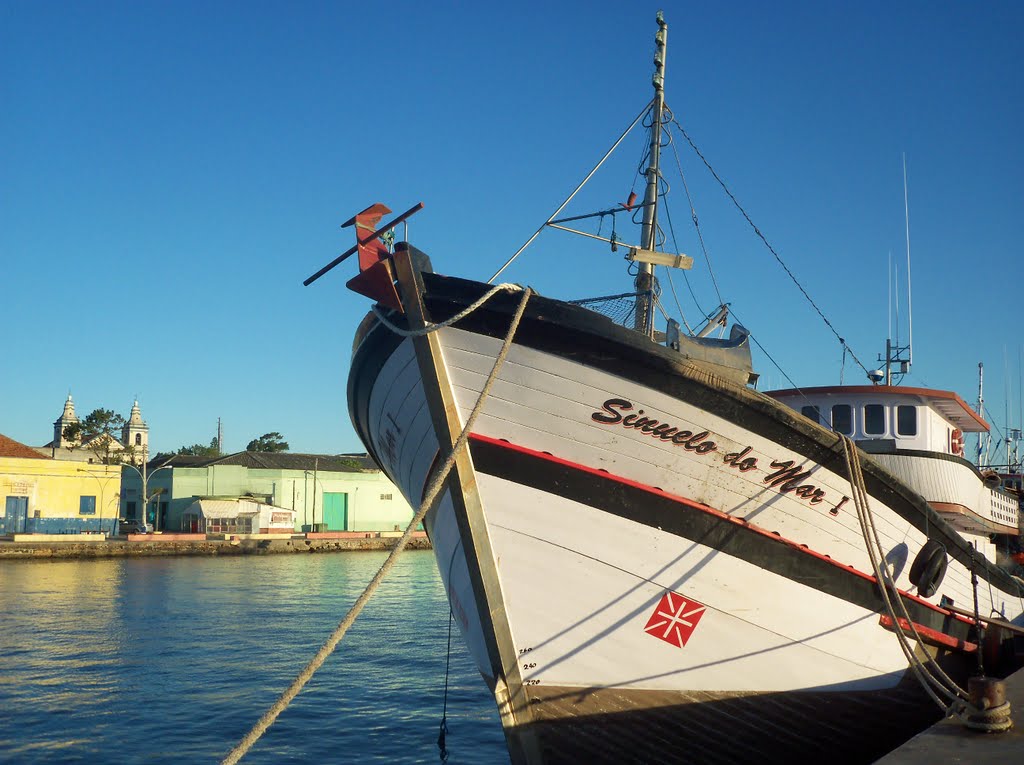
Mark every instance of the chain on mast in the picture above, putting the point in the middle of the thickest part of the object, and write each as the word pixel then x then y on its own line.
pixel 644 321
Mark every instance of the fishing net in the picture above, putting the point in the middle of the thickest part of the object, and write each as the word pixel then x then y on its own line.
pixel 619 308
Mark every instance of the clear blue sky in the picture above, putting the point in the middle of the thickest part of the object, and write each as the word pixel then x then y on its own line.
pixel 171 172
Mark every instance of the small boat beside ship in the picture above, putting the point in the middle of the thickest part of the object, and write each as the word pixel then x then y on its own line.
pixel 649 559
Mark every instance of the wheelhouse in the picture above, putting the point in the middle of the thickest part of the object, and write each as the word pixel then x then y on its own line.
pixel 895 418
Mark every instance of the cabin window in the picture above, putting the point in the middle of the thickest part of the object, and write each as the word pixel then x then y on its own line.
pixel 842 419
pixel 906 420
pixel 812 413
pixel 874 419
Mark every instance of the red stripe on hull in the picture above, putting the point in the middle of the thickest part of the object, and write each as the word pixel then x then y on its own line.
pixel 605 475
pixel 929 636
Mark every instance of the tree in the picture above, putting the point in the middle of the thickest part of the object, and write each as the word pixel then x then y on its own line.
pixel 198 450
pixel 98 432
pixel 268 442
pixel 73 434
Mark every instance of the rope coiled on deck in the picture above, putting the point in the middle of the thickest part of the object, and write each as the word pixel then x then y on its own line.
pixel 437 482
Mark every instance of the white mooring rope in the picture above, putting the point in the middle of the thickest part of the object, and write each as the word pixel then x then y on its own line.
pixel 447 322
pixel 932 678
pixel 271 715
pixel 930 675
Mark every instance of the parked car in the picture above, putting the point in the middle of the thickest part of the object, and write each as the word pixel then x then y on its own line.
pixel 134 527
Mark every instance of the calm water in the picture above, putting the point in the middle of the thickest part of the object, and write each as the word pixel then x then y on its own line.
pixel 173 660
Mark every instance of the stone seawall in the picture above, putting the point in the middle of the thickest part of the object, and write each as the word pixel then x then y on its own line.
pixel 152 547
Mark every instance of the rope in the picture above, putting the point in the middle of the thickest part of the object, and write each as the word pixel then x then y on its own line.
pixel 932 679
pixel 271 715
pixel 448 322
pixel 442 731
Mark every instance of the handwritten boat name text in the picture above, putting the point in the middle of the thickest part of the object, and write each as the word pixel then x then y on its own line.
pixel 785 475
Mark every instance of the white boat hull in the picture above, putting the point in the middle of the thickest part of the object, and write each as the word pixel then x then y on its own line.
pixel 668 572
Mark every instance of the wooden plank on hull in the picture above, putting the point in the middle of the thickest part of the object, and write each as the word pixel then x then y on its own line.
pixel 509 691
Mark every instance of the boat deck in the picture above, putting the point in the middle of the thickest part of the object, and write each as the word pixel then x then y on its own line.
pixel 948 741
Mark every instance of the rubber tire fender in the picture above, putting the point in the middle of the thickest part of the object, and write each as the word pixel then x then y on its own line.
pixel 929 568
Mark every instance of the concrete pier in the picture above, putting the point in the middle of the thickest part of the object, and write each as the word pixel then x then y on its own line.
pixel 142 545
pixel 949 741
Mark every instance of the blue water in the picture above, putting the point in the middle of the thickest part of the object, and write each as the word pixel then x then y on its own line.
pixel 173 660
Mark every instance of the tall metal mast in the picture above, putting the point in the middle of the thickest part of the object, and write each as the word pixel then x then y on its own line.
pixel 644 321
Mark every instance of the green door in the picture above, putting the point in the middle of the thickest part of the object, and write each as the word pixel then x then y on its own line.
pixel 335 511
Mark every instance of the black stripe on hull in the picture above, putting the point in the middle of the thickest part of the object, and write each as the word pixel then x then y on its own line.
pixel 705 527
pixel 584 337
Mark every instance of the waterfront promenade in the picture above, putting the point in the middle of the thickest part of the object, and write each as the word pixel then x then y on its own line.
pixel 71 546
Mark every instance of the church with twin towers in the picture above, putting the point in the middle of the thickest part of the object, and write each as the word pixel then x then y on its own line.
pixel 133 445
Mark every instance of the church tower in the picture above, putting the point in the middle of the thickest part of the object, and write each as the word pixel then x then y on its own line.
pixel 67 418
pixel 135 434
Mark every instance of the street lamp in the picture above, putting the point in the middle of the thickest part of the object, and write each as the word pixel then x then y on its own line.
pixel 316 465
pixel 102 487
pixel 145 493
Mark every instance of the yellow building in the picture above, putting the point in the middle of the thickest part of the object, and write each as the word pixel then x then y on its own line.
pixel 47 496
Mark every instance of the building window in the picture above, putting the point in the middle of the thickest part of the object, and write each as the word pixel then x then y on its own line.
pixel 812 413
pixel 874 419
pixel 906 420
pixel 842 419
pixel 87 505
pixel 385 496
pixel 138 439
pixel 129 510
pixel 238 525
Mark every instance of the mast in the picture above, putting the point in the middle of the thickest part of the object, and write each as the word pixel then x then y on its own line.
pixel 644 321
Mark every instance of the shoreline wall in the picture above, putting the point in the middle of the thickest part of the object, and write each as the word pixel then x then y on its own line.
pixel 156 547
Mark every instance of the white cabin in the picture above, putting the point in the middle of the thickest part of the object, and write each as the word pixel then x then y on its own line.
pixel 918 435
pixel 910 418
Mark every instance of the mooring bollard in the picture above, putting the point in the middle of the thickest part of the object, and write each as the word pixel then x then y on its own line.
pixel 989 711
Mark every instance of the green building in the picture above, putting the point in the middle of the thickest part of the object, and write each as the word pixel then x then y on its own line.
pixel 345 492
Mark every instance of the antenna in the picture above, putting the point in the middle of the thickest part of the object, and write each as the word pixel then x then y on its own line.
pixel 897 288
pixel 910 309
pixel 981 408
pixel 889 303
pixel 896 353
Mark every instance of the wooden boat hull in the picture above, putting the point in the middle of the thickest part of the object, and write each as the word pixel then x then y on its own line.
pixel 633 587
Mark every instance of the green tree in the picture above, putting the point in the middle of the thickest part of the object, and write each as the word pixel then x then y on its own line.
pixel 98 432
pixel 198 450
pixel 268 442
pixel 73 434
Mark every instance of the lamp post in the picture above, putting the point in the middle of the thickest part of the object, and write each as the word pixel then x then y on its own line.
pixel 305 503
pixel 145 493
pixel 103 485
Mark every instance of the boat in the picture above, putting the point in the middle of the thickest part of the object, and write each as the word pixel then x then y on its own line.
pixel 649 559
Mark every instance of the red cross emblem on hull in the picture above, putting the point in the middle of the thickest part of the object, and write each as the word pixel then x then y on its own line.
pixel 675 619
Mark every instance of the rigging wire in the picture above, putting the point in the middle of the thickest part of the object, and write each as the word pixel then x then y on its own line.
pixel 568 199
pixel 768 245
pixel 696 222
pixel 770 358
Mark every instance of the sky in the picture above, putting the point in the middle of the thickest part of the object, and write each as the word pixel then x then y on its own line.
pixel 170 172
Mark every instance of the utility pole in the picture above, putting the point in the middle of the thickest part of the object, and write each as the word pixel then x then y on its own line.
pixel 316 464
